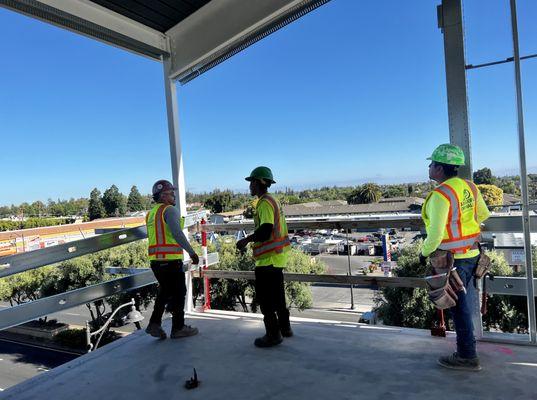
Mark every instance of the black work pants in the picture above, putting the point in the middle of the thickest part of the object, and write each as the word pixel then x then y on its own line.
pixel 171 291
pixel 270 294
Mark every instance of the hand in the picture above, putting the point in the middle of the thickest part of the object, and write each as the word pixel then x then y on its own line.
pixel 241 245
pixel 195 258
pixel 423 260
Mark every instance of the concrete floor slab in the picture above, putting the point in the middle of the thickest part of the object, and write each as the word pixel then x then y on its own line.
pixel 324 360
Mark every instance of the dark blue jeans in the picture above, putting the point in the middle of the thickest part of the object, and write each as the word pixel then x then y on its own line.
pixel 462 312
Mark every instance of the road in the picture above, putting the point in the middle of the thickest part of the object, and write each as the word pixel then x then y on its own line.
pixel 19 362
pixel 337 298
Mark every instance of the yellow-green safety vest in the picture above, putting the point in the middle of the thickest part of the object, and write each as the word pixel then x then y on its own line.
pixel 278 242
pixel 162 245
pixel 462 229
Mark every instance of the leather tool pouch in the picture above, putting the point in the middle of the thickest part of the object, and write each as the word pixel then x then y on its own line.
pixel 443 293
pixel 483 265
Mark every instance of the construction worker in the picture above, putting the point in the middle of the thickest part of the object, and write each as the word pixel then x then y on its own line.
pixel 167 242
pixel 270 247
pixel 452 213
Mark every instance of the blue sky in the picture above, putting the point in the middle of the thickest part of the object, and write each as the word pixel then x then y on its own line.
pixel 352 92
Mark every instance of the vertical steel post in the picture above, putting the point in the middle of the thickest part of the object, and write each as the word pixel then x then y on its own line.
pixel 523 177
pixel 176 156
pixel 451 22
pixel 349 266
pixel 206 282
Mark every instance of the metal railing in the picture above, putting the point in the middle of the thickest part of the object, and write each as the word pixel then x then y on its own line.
pixel 26 261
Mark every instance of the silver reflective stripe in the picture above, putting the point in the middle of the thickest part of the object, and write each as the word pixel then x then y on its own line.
pixel 165 249
pixel 271 246
pixel 455 212
pixel 459 243
pixel 159 226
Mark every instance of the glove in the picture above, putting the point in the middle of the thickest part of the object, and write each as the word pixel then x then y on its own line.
pixel 423 260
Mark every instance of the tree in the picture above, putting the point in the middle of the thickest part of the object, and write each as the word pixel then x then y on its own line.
pixel 408 307
pixel 509 187
pixel 250 209
pixel 226 294
pixel 96 208
pixel 219 201
pixel 483 176
pixel 390 191
pixel 25 286
pixel 365 194
pixel 492 195
pixel 135 202
pixel 114 202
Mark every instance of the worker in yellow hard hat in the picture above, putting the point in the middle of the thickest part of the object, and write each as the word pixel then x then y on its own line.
pixel 452 213
pixel 270 247
pixel 166 244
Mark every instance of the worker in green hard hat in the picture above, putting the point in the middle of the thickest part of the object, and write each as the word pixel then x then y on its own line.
pixel 452 214
pixel 270 247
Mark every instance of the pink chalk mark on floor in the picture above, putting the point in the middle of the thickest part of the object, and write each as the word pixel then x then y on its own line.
pixel 505 350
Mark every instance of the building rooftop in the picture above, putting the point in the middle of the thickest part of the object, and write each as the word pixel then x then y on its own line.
pixel 512 239
pixel 339 207
pixel 324 360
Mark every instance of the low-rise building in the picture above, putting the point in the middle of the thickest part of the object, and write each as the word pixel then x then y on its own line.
pixel 335 208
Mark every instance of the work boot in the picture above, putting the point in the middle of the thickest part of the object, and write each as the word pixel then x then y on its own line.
pixel 286 332
pixel 268 341
pixel 453 361
pixel 185 331
pixel 155 330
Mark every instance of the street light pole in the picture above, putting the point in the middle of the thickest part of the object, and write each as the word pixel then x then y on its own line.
pixel 349 266
pixel 133 316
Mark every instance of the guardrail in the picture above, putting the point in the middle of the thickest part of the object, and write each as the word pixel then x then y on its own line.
pixel 35 259
pixel 496 223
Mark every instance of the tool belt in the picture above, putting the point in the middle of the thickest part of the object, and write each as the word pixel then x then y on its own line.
pixel 483 264
pixel 445 282
pixel 482 269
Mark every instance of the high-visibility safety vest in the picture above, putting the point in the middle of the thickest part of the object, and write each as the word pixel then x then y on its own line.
pixel 162 245
pixel 462 229
pixel 279 240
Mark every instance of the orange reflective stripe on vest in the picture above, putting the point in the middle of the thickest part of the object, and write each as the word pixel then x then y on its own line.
pixel 457 241
pixel 162 245
pixel 277 243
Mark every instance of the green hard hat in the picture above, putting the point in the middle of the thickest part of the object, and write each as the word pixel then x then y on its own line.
pixel 448 154
pixel 261 173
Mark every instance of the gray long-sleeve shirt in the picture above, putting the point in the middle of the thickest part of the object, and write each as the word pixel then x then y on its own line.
pixel 172 218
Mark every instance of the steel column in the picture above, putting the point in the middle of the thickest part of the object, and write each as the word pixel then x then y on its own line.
pixel 451 22
pixel 176 156
pixel 523 178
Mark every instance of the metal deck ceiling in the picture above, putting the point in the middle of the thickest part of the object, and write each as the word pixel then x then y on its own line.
pixel 193 36
pixel 157 14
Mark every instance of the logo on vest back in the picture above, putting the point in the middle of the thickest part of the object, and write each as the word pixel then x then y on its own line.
pixel 467 201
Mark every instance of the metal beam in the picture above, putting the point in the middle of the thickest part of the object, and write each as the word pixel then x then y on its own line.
pixel 507 285
pixel 222 28
pixel 176 157
pixel 450 20
pixel 94 21
pixel 21 262
pixel 29 311
pixel 496 223
pixel 34 259
pixel 373 282
pixel 532 324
